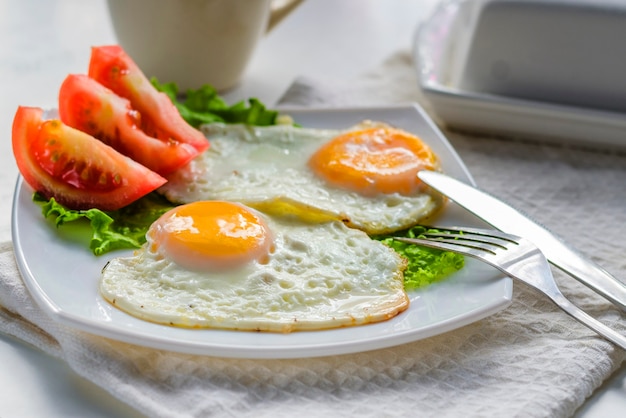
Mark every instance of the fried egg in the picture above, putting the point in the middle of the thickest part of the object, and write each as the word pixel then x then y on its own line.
pixel 219 264
pixel 365 176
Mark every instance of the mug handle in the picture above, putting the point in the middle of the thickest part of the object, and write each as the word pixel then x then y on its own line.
pixel 279 9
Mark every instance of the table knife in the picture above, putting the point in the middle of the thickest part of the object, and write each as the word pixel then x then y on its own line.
pixel 510 220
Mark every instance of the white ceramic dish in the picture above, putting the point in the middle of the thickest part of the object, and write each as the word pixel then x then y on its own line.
pixel 476 60
pixel 62 276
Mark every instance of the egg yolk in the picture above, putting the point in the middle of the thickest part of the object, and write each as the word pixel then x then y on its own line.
pixel 374 161
pixel 211 235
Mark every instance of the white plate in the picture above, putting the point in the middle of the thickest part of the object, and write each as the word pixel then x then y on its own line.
pixel 441 48
pixel 62 276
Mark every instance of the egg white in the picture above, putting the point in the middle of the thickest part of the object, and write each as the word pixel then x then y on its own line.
pixel 266 168
pixel 319 276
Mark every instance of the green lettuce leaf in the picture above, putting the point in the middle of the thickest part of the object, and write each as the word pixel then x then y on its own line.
pixel 122 229
pixel 424 265
pixel 204 105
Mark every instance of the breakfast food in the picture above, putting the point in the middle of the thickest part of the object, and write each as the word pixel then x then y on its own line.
pixel 364 176
pixel 145 136
pixel 111 66
pixel 223 265
pixel 272 233
pixel 87 105
pixel 75 168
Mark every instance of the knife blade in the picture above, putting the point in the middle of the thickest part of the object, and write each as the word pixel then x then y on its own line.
pixel 507 219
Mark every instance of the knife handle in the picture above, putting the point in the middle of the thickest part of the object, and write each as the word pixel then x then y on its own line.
pixel 592 275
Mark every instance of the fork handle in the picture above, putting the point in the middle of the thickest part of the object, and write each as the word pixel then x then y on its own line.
pixel 589 321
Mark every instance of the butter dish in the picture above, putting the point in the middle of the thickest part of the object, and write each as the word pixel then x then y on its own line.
pixel 539 69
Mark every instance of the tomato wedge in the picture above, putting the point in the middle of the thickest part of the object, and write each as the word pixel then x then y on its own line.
pixel 113 68
pixel 87 105
pixel 76 169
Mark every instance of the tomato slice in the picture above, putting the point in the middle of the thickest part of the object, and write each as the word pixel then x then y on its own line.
pixel 76 169
pixel 113 68
pixel 87 105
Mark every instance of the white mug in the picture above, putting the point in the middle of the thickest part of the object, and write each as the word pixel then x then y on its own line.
pixel 193 42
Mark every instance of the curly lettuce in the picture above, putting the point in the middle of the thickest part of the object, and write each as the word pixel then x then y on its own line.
pixel 121 229
pixel 424 265
pixel 204 105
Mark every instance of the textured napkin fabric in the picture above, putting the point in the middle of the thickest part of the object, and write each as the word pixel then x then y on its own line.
pixel 529 360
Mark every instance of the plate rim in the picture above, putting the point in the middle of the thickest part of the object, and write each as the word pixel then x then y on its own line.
pixel 75 322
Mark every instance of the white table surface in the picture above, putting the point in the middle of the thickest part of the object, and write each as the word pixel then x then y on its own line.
pixel 44 40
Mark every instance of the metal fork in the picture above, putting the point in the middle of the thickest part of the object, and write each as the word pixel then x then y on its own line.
pixel 516 257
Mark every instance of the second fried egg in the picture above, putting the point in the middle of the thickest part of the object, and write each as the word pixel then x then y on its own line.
pixel 365 176
pixel 217 264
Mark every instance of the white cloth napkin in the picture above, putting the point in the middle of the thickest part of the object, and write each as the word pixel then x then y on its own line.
pixel 529 360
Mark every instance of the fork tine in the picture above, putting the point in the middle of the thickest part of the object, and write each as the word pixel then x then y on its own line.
pixel 482 242
pixel 457 246
pixel 470 241
pixel 439 244
pixel 486 233
pixel 498 249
